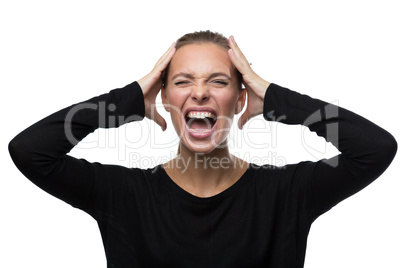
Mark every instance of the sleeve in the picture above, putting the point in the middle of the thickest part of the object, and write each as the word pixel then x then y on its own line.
pixel 40 151
pixel 366 150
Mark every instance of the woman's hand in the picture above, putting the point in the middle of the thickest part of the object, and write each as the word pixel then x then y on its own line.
pixel 255 85
pixel 151 84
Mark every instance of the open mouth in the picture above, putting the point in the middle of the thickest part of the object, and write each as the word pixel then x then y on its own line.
pixel 200 121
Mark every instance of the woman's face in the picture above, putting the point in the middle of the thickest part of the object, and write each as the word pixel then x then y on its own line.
pixel 202 96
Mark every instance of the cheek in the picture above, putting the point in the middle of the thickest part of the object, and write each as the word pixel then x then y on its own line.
pixel 176 99
pixel 227 102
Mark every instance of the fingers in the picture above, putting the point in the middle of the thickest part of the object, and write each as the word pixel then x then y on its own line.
pixel 237 57
pixel 159 120
pixel 163 62
pixel 244 118
pixel 152 81
pixel 255 106
pixel 242 121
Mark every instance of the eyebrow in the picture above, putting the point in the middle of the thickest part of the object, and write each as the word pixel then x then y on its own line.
pixel 191 76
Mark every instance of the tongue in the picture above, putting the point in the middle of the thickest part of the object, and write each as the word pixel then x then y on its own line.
pixel 200 124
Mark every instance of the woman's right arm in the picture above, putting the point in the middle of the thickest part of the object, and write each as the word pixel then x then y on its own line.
pixel 40 151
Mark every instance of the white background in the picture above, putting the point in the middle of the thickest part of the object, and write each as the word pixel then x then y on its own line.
pixel 55 53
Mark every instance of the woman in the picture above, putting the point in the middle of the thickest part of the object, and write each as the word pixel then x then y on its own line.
pixel 206 207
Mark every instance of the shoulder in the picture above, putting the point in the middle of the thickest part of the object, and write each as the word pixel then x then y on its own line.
pixel 289 186
pixel 123 178
pixel 282 176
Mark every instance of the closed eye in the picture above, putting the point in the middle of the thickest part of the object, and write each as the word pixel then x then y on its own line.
pixel 220 82
pixel 181 83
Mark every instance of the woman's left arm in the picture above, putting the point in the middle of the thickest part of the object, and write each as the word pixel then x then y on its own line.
pixel 366 149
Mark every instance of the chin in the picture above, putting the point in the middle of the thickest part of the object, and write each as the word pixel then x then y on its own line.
pixel 203 147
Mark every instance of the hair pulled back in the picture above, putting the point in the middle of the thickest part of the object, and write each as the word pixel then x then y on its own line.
pixel 203 37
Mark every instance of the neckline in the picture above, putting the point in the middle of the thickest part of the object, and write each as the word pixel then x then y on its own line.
pixel 204 200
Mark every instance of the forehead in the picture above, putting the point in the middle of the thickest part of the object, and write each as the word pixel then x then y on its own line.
pixel 201 59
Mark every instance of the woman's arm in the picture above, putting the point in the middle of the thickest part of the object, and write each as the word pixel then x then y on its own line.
pixel 40 151
pixel 366 149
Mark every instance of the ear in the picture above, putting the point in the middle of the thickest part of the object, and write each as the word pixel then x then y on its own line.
pixel 241 101
pixel 165 101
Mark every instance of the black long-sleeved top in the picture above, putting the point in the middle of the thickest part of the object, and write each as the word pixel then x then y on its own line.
pixel 145 219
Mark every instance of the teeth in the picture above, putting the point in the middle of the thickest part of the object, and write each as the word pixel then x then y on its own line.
pixel 199 131
pixel 200 115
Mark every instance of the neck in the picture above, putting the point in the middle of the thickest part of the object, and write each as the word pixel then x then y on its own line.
pixel 205 174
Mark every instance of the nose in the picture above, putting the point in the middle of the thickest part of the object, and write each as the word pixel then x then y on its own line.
pixel 200 93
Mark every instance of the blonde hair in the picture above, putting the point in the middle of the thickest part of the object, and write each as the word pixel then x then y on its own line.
pixel 203 37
